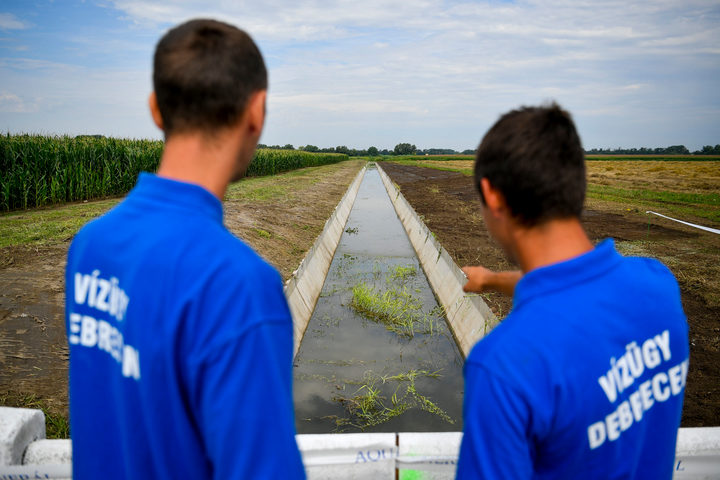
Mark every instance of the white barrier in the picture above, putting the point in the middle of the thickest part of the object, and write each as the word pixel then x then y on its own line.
pixel 707 229
pixel 430 456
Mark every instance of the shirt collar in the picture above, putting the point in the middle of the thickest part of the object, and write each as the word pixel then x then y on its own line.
pixel 576 270
pixel 177 194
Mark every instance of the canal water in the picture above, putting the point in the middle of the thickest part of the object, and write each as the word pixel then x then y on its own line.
pixel 377 355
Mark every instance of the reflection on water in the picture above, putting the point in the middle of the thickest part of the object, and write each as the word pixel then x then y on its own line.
pixel 352 371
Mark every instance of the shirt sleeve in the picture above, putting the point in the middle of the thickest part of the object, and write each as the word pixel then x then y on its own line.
pixel 246 409
pixel 496 441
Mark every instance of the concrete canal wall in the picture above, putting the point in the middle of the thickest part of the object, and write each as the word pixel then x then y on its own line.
pixel 303 288
pixel 468 315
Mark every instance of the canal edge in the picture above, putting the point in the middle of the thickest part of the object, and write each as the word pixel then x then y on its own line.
pixel 468 315
pixel 303 288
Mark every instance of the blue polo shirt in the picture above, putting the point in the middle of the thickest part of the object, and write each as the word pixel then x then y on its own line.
pixel 180 345
pixel 585 377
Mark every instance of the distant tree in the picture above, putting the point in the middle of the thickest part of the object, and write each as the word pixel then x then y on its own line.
pixel 437 151
pixel 468 152
pixel 309 148
pixel 372 151
pixel 385 151
pixel 404 149
pixel 342 149
pixel 709 150
pixel 288 147
pixel 262 145
pixel 677 150
pixel 671 150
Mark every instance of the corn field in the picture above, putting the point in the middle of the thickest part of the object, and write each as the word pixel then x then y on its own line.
pixel 270 162
pixel 38 170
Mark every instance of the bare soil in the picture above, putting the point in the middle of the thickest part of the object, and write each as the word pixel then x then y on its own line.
pixel 449 204
pixel 33 349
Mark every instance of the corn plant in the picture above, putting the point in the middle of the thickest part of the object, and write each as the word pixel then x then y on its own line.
pixel 39 170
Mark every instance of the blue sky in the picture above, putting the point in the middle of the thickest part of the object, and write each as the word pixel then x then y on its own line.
pixel 430 72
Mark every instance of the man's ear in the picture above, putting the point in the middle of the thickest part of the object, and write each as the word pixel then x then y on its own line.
pixel 256 113
pixel 155 111
pixel 494 199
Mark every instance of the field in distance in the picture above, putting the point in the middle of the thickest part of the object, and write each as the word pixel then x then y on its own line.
pixel 673 185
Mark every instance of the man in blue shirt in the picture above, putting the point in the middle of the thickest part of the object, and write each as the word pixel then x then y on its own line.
pixel 180 336
pixel 585 377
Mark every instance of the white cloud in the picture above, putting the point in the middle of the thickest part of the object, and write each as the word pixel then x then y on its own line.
pixel 8 21
pixel 12 103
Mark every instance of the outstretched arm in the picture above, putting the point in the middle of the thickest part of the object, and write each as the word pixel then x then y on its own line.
pixel 481 280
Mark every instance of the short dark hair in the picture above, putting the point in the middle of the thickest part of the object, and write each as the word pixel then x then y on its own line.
pixel 534 157
pixel 204 73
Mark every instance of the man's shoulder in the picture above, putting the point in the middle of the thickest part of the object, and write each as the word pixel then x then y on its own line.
pixel 235 255
pixel 648 268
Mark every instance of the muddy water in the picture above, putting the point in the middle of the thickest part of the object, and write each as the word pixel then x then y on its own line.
pixel 354 374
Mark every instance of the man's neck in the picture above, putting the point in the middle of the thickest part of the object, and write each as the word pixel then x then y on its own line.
pixel 551 242
pixel 194 158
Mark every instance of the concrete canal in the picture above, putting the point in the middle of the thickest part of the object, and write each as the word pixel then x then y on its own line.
pixel 377 355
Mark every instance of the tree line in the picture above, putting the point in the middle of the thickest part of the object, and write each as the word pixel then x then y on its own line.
pixel 400 149
pixel 671 150
pixel 410 149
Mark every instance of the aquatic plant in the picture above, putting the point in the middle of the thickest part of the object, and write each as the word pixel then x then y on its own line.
pixel 396 308
pixel 367 407
pixel 401 273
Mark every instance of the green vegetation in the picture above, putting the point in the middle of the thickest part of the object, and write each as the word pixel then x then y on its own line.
pixel 434 158
pixel 270 162
pixel 401 272
pixel 703 205
pixel 396 308
pixel 263 233
pixel 368 407
pixel 57 224
pixel 50 225
pixel 37 170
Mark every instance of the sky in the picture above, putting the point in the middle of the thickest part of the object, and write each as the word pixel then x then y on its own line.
pixel 434 73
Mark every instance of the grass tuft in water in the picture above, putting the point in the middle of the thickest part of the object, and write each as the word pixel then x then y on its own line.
pixel 401 273
pixel 396 308
pixel 367 407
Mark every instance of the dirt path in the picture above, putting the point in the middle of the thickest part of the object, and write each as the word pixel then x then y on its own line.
pixel 449 205
pixel 280 217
